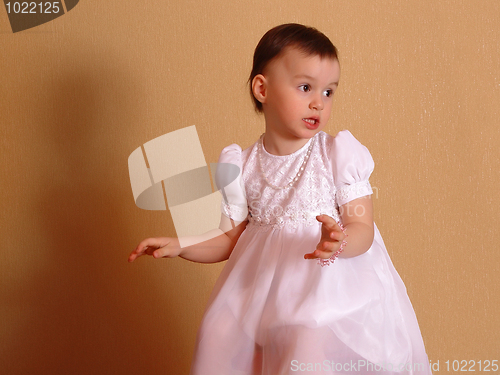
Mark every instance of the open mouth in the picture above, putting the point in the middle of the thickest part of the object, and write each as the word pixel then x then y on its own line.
pixel 311 123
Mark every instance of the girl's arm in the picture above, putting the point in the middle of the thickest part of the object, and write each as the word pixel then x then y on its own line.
pixel 357 219
pixel 211 247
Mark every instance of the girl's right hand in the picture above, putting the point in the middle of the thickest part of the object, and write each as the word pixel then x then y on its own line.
pixel 159 247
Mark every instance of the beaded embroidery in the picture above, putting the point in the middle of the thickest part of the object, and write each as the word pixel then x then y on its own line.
pixel 297 203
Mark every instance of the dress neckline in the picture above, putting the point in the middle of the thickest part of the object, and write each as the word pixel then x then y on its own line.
pixel 299 151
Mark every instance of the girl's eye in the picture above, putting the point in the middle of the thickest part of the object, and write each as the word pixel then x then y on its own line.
pixel 304 88
pixel 328 93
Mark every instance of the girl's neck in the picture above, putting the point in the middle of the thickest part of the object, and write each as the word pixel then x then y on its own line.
pixel 276 144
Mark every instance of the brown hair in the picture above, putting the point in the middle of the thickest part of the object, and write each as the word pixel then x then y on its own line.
pixel 308 39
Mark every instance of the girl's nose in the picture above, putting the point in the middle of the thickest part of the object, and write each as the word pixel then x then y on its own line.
pixel 316 103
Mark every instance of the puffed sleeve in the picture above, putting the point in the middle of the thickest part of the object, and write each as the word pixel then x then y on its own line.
pixel 230 183
pixel 352 166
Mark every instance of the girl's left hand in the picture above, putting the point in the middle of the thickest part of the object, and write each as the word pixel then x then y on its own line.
pixel 331 238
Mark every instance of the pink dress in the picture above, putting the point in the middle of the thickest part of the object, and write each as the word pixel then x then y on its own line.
pixel 271 311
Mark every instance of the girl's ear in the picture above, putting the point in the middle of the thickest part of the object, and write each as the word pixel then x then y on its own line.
pixel 259 88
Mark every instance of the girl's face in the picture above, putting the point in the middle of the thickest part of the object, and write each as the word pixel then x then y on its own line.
pixel 296 92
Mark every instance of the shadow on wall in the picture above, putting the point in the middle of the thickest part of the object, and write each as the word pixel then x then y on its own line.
pixel 86 311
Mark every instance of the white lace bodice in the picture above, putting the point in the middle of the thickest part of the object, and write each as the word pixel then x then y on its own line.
pixel 312 194
pixel 321 187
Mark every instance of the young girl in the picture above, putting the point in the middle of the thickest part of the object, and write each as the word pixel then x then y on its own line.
pixel 301 201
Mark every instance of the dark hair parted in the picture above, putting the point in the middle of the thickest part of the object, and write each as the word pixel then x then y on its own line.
pixel 307 39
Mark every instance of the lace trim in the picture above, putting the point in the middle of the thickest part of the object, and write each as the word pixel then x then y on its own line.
pixel 349 192
pixel 268 222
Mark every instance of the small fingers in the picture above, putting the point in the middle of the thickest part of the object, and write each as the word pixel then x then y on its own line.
pixel 323 254
pixel 326 220
pixel 328 245
pixel 145 247
pixel 313 255
pixel 324 250
pixel 163 252
pixel 160 247
pixel 159 253
pixel 337 235
pixel 135 254
pixel 329 223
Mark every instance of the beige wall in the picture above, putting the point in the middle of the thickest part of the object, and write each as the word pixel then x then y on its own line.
pixel 420 87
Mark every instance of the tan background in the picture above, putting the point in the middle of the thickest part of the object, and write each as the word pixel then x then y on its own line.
pixel 420 87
